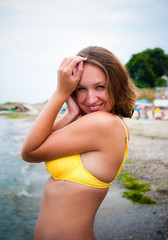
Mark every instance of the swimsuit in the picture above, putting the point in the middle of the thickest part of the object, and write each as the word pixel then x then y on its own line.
pixel 70 168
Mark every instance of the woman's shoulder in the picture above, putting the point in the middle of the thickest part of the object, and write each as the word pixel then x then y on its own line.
pixel 101 115
pixel 102 120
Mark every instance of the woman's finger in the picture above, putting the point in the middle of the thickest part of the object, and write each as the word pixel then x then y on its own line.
pixel 79 70
pixel 75 62
pixel 68 64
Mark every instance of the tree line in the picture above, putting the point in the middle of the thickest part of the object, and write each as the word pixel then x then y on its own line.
pixel 149 68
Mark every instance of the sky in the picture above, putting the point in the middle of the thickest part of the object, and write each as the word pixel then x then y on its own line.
pixel 35 35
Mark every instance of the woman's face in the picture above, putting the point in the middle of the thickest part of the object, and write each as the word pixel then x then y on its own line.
pixel 91 93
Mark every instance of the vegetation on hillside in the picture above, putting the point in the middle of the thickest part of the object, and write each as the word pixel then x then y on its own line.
pixel 148 67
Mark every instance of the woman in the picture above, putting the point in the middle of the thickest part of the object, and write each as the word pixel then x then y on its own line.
pixel 84 151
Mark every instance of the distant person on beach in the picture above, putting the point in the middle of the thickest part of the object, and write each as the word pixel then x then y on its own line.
pixel 162 117
pixel 85 149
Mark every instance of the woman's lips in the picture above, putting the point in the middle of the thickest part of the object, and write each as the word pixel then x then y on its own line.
pixel 94 108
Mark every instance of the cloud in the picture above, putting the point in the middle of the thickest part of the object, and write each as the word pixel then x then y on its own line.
pixel 36 35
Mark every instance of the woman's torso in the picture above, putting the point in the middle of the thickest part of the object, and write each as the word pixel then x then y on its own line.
pixel 60 210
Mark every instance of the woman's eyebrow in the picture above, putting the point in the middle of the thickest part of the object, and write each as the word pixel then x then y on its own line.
pixel 101 82
pixel 97 83
pixel 80 85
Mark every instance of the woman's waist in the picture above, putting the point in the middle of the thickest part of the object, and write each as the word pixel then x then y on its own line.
pixel 63 191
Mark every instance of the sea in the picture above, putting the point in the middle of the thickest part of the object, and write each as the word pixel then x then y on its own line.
pixel 21 183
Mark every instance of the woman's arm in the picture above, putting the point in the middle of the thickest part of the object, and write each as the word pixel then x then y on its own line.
pixel 91 132
pixel 43 125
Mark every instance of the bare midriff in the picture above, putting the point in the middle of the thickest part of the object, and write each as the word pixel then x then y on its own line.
pixel 67 211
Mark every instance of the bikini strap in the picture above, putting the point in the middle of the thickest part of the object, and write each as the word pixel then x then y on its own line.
pixel 126 132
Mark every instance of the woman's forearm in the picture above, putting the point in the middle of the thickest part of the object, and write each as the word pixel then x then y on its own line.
pixel 64 121
pixel 43 125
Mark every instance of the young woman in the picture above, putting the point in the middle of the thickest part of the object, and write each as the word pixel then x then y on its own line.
pixel 85 150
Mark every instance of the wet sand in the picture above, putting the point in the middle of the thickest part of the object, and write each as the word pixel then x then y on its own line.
pixel 119 218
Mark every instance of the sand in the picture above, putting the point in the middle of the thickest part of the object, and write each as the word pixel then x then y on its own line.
pixel 148 153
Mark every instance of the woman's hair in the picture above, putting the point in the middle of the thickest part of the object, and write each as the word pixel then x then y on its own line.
pixel 120 87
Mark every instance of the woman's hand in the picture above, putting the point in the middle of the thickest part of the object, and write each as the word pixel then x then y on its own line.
pixel 71 115
pixel 68 79
pixel 73 108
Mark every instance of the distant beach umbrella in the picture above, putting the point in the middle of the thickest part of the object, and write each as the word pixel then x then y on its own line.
pixel 143 102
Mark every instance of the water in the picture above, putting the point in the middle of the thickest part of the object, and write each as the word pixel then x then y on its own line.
pixel 21 183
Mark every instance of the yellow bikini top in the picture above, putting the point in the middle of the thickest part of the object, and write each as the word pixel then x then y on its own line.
pixel 70 168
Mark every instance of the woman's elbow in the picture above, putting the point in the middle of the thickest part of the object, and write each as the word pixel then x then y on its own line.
pixel 28 157
pixel 25 156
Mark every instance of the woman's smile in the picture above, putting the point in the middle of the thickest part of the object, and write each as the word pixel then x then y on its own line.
pixel 95 108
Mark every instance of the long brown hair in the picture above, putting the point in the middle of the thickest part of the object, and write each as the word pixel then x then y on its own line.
pixel 120 87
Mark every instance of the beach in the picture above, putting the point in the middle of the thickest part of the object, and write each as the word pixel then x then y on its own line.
pixel 148 155
pixel 118 218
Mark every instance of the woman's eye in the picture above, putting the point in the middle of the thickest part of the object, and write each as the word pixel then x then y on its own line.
pixel 80 89
pixel 100 87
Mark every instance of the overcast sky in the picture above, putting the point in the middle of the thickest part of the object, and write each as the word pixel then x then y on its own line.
pixel 36 34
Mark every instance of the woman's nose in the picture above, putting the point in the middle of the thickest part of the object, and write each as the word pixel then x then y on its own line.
pixel 91 97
